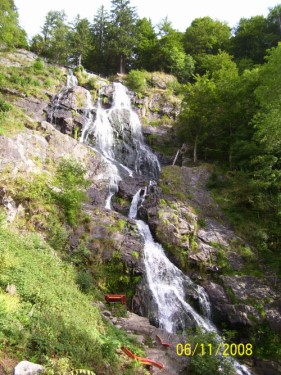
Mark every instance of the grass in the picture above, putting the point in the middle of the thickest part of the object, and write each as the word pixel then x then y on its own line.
pixel 12 119
pixel 48 316
pixel 31 80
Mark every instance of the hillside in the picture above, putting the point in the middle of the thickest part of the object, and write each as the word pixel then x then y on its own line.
pixel 62 249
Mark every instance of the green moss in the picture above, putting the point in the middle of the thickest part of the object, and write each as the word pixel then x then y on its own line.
pixel 135 254
pixel 172 182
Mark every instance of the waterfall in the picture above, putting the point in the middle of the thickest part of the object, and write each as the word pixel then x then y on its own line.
pixel 71 80
pixel 89 116
pixel 117 134
pixel 167 284
pixel 134 205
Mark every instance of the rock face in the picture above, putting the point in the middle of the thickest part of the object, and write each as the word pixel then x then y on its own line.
pixel 28 368
pixel 110 235
pixel 187 222
pixel 69 110
pixel 174 365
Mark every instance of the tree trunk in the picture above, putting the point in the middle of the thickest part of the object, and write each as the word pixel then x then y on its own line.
pixel 195 150
pixel 122 64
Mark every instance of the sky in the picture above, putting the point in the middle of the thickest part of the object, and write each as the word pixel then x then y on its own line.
pixel 180 12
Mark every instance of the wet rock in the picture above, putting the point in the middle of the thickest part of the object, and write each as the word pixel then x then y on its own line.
pixel 28 368
pixel 106 93
pixel 69 110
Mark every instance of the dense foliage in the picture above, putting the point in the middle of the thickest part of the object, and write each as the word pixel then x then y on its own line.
pixel 233 119
pixel 11 35
pixel 118 40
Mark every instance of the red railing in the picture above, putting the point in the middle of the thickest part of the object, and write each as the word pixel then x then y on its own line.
pixel 144 361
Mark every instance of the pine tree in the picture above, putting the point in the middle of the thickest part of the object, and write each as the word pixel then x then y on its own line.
pixel 54 42
pixel 11 35
pixel 122 31
pixel 80 40
pixel 98 58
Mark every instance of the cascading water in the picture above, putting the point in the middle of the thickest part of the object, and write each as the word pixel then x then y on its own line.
pixel 71 80
pixel 168 284
pixel 116 134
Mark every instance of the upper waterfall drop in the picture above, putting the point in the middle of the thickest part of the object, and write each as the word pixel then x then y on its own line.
pixel 117 134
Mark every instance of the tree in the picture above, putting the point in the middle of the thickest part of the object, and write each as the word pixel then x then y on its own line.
pixel 205 35
pixel 80 39
pixel 169 54
pixel 55 41
pixel 252 38
pixel 217 111
pixel 274 19
pixel 195 118
pixel 268 120
pixel 99 57
pixel 146 41
pixel 213 64
pixel 11 34
pixel 122 31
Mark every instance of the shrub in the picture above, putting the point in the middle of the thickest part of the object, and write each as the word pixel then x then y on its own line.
pixel 4 106
pixel 136 81
pixel 71 181
pixel 208 364
pixel 38 65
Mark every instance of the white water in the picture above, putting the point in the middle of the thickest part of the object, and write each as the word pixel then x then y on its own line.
pixel 89 115
pixel 71 80
pixel 167 284
pixel 117 133
pixel 134 205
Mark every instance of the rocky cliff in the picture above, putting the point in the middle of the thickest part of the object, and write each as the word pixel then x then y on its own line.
pixel 105 244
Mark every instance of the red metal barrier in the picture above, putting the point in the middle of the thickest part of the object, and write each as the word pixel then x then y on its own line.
pixel 163 343
pixel 144 361
pixel 116 298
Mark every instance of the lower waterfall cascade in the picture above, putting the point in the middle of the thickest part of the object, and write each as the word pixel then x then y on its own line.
pixel 116 135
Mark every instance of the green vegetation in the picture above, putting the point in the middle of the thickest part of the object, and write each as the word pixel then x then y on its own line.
pixel 50 202
pixel 207 364
pixel 172 182
pixel 30 80
pixel 47 316
pixel 70 179
pixel 136 80
pixel 266 342
pixel 11 118
pixel 11 35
